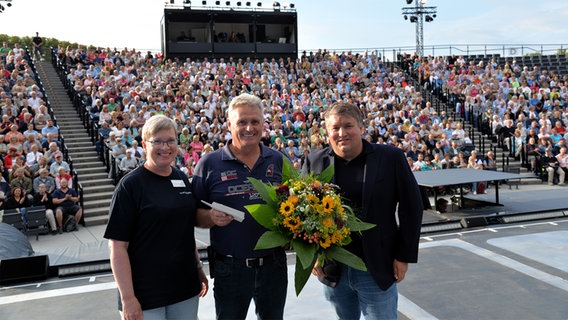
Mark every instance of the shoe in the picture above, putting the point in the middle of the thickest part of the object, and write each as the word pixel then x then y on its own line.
pixel 60 231
pixel 562 184
pixel 54 232
pixel 475 192
pixel 550 184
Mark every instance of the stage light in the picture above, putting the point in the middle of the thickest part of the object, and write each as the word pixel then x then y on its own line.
pixel 217 3
pixel 408 1
pixel 259 4
pixel 405 17
pixel 292 6
pixel 428 18
pixel 185 2
pixel 276 4
pixel 248 3
pixel 227 3
pixel 414 19
pixel 239 3
pixel 204 3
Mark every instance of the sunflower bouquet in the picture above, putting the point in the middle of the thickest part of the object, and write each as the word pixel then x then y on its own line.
pixel 307 214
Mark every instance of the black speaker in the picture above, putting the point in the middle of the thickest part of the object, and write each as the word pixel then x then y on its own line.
pixel 473 222
pixel 24 269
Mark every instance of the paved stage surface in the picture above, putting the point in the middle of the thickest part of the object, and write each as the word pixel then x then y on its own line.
pixel 501 271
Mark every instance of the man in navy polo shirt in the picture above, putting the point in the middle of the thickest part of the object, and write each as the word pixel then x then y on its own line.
pixel 240 272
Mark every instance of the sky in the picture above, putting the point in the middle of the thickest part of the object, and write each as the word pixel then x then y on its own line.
pixel 329 24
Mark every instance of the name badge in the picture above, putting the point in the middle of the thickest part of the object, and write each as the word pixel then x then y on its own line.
pixel 178 183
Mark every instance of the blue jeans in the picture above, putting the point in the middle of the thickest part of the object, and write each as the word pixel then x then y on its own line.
pixel 186 309
pixel 357 292
pixel 24 219
pixel 235 286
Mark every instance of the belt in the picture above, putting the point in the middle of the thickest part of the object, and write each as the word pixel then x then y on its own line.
pixel 246 262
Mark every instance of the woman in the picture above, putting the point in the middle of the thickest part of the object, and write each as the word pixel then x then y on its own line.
pixel 151 233
pixel 18 200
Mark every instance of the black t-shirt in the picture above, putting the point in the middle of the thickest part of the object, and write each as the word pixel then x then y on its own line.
pixel 350 177
pixel 156 216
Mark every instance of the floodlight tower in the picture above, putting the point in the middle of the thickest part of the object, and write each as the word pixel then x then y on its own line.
pixel 418 14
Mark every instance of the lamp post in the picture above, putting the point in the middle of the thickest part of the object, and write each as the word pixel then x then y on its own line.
pixel 418 14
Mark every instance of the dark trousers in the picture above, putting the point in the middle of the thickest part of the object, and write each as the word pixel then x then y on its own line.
pixel 236 284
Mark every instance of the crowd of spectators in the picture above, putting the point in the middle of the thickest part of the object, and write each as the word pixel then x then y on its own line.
pixel 31 161
pixel 524 105
pixel 122 88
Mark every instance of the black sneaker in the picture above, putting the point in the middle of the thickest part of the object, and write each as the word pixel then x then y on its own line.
pixel 54 232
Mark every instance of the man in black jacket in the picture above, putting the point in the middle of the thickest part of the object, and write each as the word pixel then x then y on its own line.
pixel 375 179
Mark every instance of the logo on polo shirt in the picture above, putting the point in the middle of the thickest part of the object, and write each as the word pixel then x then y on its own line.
pixel 228 175
pixel 270 171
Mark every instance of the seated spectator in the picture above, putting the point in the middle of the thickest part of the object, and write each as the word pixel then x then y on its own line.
pixel 489 162
pixel 59 162
pixel 14 133
pixel 563 164
pixel 50 144
pixel 532 152
pixel 118 150
pixel 103 136
pixel 412 165
pixel 50 128
pixel 44 179
pixel 5 191
pixel 32 157
pixel 21 181
pixel 10 158
pixel 65 200
pixel 20 163
pixel 550 162
pixel 428 165
pixel 128 163
pixel 15 143
pixel 43 198
pixel 63 174
pixel 18 200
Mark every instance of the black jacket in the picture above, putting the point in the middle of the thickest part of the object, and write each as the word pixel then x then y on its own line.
pixel 388 182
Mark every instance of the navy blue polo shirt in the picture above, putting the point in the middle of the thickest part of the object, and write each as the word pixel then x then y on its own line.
pixel 222 178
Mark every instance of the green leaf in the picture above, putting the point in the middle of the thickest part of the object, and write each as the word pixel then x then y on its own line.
pixel 306 253
pixel 345 257
pixel 271 239
pixel 263 214
pixel 266 191
pixel 301 274
pixel 288 170
pixel 358 225
pixel 327 174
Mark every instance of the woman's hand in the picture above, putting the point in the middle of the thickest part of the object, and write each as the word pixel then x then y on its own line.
pixel 204 283
pixel 131 309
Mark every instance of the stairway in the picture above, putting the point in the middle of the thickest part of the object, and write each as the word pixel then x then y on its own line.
pixel 91 172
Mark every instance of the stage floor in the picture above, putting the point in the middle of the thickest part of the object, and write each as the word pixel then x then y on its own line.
pixel 507 271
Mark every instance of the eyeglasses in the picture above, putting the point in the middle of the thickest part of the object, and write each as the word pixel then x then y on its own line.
pixel 159 143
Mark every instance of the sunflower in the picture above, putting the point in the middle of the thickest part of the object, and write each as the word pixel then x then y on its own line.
pixel 292 223
pixel 327 222
pixel 313 200
pixel 325 243
pixel 286 208
pixel 328 203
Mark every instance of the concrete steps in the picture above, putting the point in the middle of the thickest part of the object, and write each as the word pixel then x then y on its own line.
pixel 92 175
